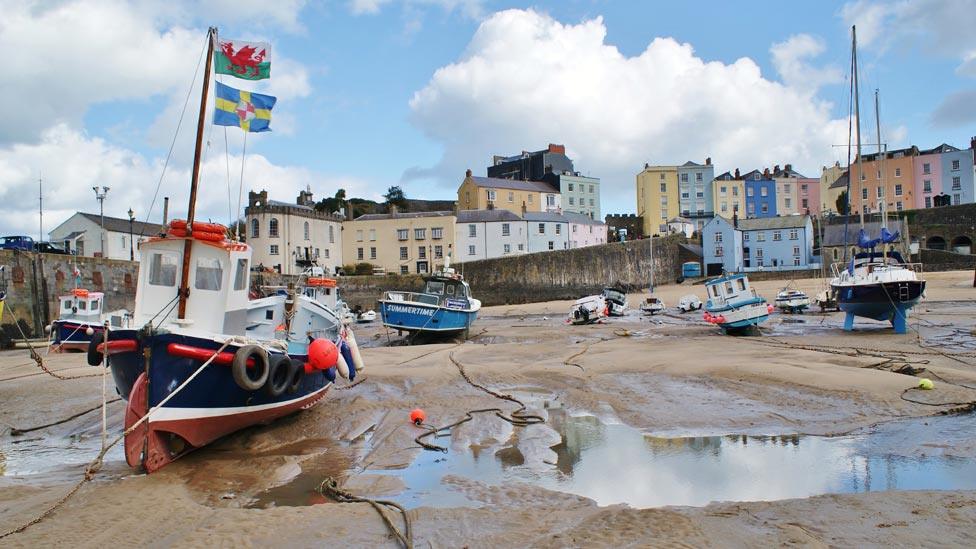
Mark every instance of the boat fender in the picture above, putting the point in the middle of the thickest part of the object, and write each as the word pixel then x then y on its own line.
pixel 357 358
pixel 343 367
pixel 322 353
pixel 720 319
pixel 94 355
pixel 207 227
pixel 279 375
pixel 179 233
pixel 769 308
pixel 346 355
pixel 250 379
pixel 89 331
pixel 330 374
pixel 296 375
pixel 179 224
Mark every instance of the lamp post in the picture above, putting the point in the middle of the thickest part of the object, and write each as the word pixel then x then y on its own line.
pixel 100 196
pixel 132 252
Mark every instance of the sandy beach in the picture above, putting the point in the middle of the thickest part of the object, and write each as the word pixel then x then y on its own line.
pixel 659 380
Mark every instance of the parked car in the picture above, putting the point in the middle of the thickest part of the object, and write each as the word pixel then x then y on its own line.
pixel 25 243
pixel 50 248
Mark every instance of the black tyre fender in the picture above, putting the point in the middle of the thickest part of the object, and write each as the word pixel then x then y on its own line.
pixel 250 379
pixel 94 355
pixel 296 375
pixel 279 375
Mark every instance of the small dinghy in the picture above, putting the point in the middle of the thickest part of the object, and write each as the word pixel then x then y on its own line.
pixel 652 306
pixel 791 300
pixel 366 317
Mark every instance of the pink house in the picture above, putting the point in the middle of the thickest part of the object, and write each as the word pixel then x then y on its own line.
pixel 927 177
pixel 584 231
pixel 808 196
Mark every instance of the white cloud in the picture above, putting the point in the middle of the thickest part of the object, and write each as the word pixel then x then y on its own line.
pixel 790 58
pixel 473 9
pixel 526 80
pixel 72 163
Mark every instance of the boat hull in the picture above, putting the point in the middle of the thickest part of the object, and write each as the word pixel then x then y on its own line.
pixel 210 406
pixel 72 335
pixel 740 320
pixel 879 300
pixel 420 318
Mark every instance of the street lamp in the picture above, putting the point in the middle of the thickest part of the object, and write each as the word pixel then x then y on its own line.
pixel 100 196
pixel 132 252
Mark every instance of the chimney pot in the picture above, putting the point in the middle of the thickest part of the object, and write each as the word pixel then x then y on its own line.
pixel 708 161
pixel 467 173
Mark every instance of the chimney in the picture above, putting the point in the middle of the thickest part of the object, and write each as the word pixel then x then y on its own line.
pixel 708 161
pixel 559 149
pixel 648 166
pixel 165 210
pixel 776 168
pixel 467 173
pixel 789 167
pixel 737 175
pixel 765 173
pixel 523 208
pixel 972 143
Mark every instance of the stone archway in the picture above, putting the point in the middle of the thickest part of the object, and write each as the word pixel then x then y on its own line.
pixel 962 245
pixel 935 243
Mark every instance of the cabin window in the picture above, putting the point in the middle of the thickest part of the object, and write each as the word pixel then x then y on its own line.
pixel 450 290
pixel 94 305
pixel 240 276
pixel 728 288
pixel 67 305
pixel 435 287
pixel 162 270
pixel 209 274
pixel 742 284
pixel 82 305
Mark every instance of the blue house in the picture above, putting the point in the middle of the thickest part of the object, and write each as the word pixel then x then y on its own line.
pixel 760 194
pixel 770 243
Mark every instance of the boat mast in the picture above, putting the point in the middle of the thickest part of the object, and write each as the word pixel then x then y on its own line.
pixel 857 115
pixel 184 289
pixel 651 245
pixel 881 159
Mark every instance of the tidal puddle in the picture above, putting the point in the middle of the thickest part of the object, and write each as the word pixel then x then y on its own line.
pixel 614 463
pixel 54 456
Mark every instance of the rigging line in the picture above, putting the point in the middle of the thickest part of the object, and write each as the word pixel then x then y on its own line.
pixel 172 145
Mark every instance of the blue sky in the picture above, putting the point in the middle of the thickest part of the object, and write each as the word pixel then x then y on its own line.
pixel 374 93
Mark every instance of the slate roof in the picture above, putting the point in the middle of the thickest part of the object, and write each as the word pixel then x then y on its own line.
pixel 118 225
pixel 782 222
pixel 841 181
pixel 581 219
pixel 514 184
pixel 479 216
pixel 545 216
pixel 402 215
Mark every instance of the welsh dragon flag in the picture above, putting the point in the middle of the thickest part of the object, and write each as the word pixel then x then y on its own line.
pixel 247 60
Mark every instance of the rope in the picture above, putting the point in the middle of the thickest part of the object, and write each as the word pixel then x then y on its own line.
pixel 36 357
pixel 96 464
pixel 518 418
pixel 350 386
pixel 330 488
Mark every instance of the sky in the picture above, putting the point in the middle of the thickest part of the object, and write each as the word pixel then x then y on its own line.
pixel 376 93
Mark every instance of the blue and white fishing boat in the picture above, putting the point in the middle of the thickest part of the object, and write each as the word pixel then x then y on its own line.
pixel 733 305
pixel 445 306
pixel 81 320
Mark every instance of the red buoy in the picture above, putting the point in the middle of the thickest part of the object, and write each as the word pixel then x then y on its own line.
pixel 322 354
pixel 417 416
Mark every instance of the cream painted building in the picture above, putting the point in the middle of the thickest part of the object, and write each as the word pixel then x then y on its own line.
pixel 828 176
pixel 657 197
pixel 401 243
pixel 292 237
pixel 729 195
pixel 514 195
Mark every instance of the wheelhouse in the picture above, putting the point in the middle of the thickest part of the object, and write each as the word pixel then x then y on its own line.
pixel 81 305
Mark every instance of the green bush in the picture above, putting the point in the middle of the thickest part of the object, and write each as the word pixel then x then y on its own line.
pixel 364 268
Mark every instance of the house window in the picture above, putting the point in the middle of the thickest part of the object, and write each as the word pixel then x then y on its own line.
pixel 332 234
pixel 722 190
pixel 698 176
pixel 664 213
pixel 879 175
pixel 552 245
pixel 326 254
pixel 521 247
pixel 404 253
pixel 662 176
pixel 804 203
pixel 879 191
pixel 506 229
pixel 764 191
pixel 803 188
pixel 796 250
pixel 926 168
pixel 898 205
pixel 955 200
pixel 403 234
pixel 471 250
pixel 897 172
pixel 787 202
pixel 664 186
pixel 725 207
pixel 372 235
pixel 437 233
pixel 718 237
pixel 786 187
pixel 404 269
pixel 571 202
pixel 956 183
pixel 559 228
pixel 751 209
pixel 570 186
pixel 863 177
pixel 794 234
pixel 542 228
pixel 759 253
pixel 359 236
pixel 927 185
pixel 511 197
pixel 928 201
pixel 273 228
pixel 864 193
pixel 472 231
pixel 255 226
pixel 755 177
pixel 750 192
pixel 507 248
pixel 760 237
pixel 491 195
pixel 273 250
pixel 551 200
pixel 777 236
pixel 700 194
pixel 359 254
pixel 745 237
pixel 438 252
pixel 718 251
pixel 419 234
pixel 735 191
pixel 685 195
pixel 372 252
pixel 306 231
pixel 955 165
pixel 530 198
pixel 898 189
pixel 684 178
pixel 765 208
pixel 421 252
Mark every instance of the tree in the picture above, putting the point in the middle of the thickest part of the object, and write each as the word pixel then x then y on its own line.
pixel 842 205
pixel 394 197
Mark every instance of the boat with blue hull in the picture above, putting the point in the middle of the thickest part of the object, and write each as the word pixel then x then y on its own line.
pixel 203 359
pixel 733 305
pixel 445 306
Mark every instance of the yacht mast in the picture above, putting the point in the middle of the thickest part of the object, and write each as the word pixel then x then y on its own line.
pixel 857 115
pixel 184 289
pixel 881 160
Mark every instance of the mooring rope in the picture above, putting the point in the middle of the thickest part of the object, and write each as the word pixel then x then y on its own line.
pixel 36 357
pixel 330 488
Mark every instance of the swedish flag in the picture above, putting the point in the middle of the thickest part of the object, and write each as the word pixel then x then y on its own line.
pixel 250 112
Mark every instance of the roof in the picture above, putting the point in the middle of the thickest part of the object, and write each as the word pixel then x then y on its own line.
pixel 789 173
pixel 943 148
pixel 119 225
pixel 545 216
pixel 909 151
pixel 781 222
pixel 727 176
pixel 480 216
pixel 748 176
pixel 403 215
pixel 841 181
pixel 288 204
pixel 695 249
pixel 515 184
pixel 833 235
pixel 74 235
pixel 690 164
pixel 581 219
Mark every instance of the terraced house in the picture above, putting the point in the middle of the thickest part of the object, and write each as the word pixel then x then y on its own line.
pixel 289 238
pixel 402 243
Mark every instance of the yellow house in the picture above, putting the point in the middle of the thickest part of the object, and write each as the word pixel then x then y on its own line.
pixel 728 195
pixel 514 195
pixel 399 243
pixel 828 192
pixel 657 197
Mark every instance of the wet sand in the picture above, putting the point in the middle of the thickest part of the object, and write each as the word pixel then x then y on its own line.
pixel 670 375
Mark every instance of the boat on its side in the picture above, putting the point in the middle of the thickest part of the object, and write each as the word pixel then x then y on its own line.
pixel 588 310
pixel 445 306
pixel 616 301
pixel 81 320
pixel 791 300
pixel 652 306
pixel 733 305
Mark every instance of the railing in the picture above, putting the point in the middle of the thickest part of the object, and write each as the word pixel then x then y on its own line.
pixel 412 297
pixel 838 268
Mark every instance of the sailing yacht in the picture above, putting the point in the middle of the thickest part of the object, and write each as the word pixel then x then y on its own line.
pixel 874 284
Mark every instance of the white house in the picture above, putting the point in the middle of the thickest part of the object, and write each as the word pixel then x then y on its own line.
pixel 485 234
pixel 546 231
pixel 681 225
pixel 82 234
pixel 292 237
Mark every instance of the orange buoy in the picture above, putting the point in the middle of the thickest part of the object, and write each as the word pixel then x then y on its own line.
pixel 322 354
pixel 417 416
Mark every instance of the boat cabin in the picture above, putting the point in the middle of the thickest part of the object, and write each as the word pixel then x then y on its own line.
pixel 81 305
pixel 450 291
pixel 729 289
pixel 218 282
pixel 614 295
